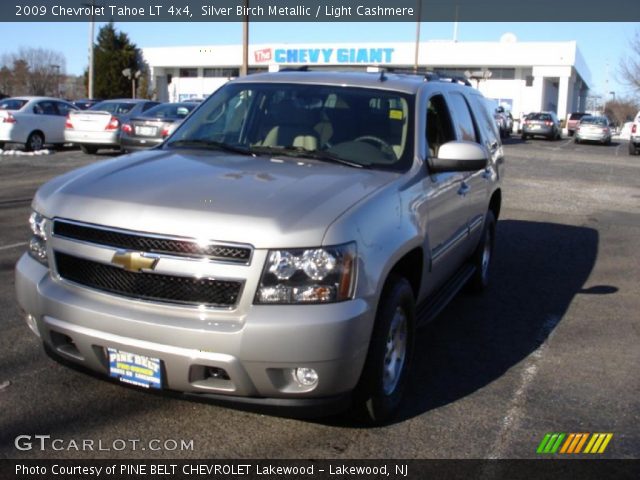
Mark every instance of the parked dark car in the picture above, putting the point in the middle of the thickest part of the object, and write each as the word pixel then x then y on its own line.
pixel 573 121
pixel 543 124
pixel 156 124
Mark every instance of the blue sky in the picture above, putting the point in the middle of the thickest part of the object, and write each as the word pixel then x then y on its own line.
pixel 602 45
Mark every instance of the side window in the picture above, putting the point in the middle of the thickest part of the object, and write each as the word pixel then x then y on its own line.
pixel 484 119
pixel 439 126
pixel 466 128
pixel 63 108
pixel 45 108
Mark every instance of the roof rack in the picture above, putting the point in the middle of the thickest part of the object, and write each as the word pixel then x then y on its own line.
pixel 430 75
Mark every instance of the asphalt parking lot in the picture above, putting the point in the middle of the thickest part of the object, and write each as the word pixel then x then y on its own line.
pixel 553 346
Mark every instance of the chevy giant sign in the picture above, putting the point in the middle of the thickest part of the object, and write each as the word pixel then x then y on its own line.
pixel 324 55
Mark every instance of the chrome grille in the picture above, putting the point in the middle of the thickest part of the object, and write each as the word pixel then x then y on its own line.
pixel 148 286
pixel 150 243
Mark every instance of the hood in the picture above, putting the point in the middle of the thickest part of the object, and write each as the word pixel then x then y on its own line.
pixel 266 202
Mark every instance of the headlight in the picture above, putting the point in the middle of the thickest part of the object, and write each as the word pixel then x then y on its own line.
pixel 38 242
pixel 312 275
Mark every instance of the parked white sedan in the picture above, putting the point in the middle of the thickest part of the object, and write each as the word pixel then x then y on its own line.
pixel 33 121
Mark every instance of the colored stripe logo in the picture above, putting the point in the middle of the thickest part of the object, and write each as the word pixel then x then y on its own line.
pixel 572 443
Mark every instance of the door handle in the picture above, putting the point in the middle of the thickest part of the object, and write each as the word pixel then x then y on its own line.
pixel 464 189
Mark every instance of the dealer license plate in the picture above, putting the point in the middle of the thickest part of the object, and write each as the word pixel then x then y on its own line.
pixel 135 369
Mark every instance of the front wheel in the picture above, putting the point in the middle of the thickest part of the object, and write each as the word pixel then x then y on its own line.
pixel 483 255
pixel 386 370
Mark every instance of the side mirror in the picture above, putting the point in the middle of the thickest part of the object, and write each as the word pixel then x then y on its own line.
pixel 458 156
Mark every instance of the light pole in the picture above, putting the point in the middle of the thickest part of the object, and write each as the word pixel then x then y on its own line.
pixel 132 76
pixel 57 78
pixel 92 35
pixel 417 47
pixel 245 40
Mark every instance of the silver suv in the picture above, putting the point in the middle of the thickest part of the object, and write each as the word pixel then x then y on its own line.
pixel 280 248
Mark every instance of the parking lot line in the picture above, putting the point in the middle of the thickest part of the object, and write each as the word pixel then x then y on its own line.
pixel 512 418
pixel 13 245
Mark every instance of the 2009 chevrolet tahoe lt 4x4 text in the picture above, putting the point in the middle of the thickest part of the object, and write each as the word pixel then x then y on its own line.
pixel 280 248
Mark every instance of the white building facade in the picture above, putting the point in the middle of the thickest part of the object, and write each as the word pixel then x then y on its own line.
pixel 522 76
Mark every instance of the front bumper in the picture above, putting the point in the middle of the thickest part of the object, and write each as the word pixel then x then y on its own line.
pixel 258 350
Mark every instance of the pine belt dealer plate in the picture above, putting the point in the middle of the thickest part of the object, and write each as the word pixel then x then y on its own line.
pixel 135 369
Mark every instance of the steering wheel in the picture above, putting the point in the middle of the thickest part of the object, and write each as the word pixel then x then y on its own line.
pixel 383 145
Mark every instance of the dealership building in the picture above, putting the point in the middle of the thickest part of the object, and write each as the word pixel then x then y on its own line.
pixel 522 76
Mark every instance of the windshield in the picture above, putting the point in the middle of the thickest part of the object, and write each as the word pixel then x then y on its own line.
pixel 113 107
pixel 361 127
pixel 12 104
pixel 170 110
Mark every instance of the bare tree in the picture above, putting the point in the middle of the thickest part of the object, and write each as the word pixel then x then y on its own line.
pixel 45 68
pixel 629 67
pixel 32 71
pixel 621 111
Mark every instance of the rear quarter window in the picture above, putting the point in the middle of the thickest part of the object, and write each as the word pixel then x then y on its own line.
pixel 12 104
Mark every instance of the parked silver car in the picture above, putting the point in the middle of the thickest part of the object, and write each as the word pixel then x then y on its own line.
pixel 99 126
pixel 280 248
pixel 593 129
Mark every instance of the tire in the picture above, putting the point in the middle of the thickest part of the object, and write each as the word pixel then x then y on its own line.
pixel 388 363
pixel 483 255
pixel 524 136
pixel 89 149
pixel 1 145
pixel 35 142
pixel 576 140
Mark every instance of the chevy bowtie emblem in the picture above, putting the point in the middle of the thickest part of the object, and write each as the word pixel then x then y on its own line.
pixel 133 261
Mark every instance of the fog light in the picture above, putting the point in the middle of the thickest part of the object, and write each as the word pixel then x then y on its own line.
pixel 307 377
pixel 32 324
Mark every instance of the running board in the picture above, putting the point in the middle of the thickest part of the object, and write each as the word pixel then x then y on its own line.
pixel 428 309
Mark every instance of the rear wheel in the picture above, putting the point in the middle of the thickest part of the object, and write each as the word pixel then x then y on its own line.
pixel 386 370
pixel 35 142
pixel 524 136
pixel 90 149
pixel 1 145
pixel 483 255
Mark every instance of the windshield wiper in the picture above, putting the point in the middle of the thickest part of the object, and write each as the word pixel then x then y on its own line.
pixel 210 144
pixel 321 155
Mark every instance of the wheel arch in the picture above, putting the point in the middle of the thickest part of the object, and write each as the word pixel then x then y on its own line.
pixel 495 203
pixel 410 267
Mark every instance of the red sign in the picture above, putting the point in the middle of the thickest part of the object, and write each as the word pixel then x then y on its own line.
pixel 263 55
